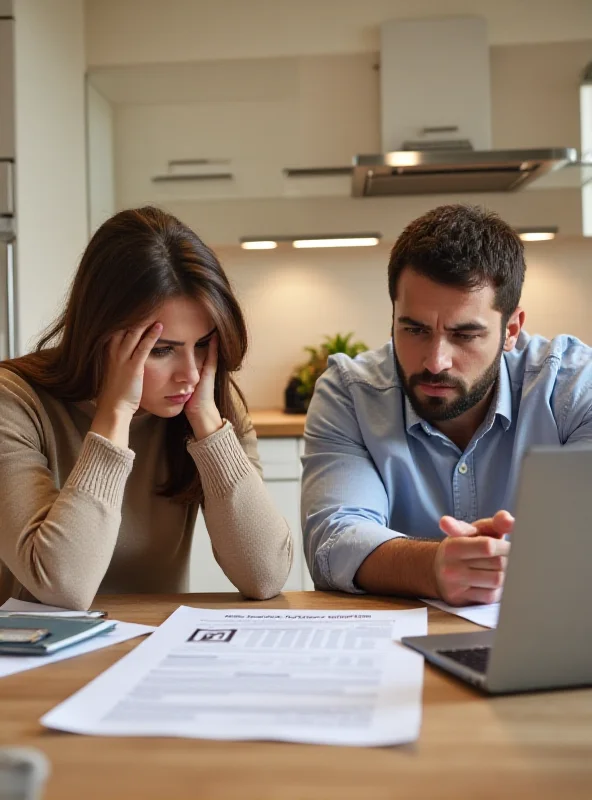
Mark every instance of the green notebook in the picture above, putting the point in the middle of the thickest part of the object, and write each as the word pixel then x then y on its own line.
pixel 40 636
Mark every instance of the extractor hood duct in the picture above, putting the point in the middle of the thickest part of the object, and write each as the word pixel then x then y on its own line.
pixel 436 117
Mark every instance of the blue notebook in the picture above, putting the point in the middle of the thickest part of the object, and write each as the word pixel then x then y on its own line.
pixel 30 635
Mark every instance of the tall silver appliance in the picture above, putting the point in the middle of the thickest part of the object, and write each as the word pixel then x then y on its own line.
pixel 8 322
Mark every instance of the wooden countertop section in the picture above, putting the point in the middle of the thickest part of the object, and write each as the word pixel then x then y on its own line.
pixel 273 422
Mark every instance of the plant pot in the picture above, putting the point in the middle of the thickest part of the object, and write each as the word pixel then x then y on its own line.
pixel 294 402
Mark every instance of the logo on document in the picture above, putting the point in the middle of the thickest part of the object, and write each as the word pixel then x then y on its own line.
pixel 217 635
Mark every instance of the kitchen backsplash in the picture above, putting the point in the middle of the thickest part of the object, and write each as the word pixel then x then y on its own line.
pixel 294 299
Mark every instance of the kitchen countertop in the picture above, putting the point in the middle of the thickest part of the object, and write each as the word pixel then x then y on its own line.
pixel 273 422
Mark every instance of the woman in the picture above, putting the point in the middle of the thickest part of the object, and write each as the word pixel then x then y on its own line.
pixel 124 421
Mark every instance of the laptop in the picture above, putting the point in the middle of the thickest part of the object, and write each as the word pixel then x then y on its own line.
pixel 544 635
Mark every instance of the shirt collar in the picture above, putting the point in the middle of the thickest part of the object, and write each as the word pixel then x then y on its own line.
pixel 501 406
pixel 503 400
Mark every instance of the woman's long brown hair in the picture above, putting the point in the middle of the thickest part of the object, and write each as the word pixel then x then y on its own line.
pixel 134 262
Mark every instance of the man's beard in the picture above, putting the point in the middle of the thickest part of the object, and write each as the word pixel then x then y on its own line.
pixel 439 409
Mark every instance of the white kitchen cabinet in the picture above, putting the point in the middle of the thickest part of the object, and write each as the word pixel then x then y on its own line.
pixel 286 496
pixel 258 116
pixel 280 458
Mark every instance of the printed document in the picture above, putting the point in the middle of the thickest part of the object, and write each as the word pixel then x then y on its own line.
pixel 334 677
pixel 486 615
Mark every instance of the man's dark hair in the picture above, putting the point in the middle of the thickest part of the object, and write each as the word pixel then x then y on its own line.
pixel 464 246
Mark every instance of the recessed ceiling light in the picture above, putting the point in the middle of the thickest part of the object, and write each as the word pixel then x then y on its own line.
pixel 537 234
pixel 312 240
pixel 349 241
pixel 263 244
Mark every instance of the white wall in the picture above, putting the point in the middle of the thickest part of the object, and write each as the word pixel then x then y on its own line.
pixel 147 31
pixel 558 289
pixel 50 153
pixel 535 98
pixel 101 165
pixel 586 131
pixel 294 299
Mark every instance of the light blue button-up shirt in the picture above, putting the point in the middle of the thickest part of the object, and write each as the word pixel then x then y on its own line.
pixel 374 470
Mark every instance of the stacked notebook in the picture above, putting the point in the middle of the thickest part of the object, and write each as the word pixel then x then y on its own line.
pixel 30 635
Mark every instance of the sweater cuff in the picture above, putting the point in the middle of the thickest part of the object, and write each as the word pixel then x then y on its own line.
pixel 102 469
pixel 220 460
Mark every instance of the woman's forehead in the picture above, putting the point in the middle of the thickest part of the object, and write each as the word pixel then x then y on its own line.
pixel 183 315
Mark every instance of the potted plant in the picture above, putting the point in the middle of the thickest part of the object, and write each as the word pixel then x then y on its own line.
pixel 302 381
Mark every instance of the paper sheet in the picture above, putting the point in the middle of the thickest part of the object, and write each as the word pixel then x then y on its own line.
pixel 485 615
pixel 9 665
pixel 25 607
pixel 319 677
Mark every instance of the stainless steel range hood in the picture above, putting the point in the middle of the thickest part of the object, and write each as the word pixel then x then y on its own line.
pixel 436 117
pixel 408 172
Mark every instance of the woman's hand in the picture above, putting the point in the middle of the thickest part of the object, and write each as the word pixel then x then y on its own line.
pixel 201 410
pixel 121 393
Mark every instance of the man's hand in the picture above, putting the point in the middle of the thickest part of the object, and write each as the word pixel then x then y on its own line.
pixel 470 565
pixel 497 526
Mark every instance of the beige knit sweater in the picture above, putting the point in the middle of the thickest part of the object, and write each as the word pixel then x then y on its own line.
pixel 80 516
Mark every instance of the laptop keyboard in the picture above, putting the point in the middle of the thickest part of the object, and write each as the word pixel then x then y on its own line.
pixel 475 657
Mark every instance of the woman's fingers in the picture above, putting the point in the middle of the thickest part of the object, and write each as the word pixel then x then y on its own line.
pixel 124 344
pixel 146 343
pixel 211 363
pixel 115 343
pixel 132 338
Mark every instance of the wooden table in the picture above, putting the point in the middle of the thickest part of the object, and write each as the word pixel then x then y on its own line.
pixel 524 746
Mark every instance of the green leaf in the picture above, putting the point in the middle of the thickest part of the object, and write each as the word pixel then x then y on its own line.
pixel 309 372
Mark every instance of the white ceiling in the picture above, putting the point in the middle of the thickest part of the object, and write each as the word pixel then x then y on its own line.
pixel 162 31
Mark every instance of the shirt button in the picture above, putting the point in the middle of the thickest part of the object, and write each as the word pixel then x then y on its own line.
pixel 463 469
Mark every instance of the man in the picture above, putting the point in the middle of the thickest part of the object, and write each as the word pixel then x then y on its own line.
pixel 413 451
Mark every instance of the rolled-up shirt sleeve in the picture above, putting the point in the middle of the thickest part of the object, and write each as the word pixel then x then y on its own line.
pixel 345 507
